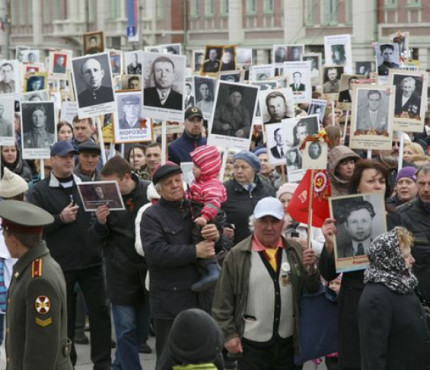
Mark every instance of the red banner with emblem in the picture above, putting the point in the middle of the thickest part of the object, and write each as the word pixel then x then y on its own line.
pixel 299 204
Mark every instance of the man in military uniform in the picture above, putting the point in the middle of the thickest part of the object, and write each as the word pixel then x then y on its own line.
pixel 36 317
pixel 213 63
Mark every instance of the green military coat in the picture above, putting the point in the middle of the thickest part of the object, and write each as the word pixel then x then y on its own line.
pixel 36 316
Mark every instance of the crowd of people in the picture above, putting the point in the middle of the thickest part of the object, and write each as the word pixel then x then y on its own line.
pixel 213 266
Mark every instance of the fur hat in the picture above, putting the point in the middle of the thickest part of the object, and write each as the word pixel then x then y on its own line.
pixel 12 184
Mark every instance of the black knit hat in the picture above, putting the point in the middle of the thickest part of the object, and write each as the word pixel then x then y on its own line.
pixel 166 170
pixel 195 338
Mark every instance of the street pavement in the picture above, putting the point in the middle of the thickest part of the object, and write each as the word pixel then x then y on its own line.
pixel 147 361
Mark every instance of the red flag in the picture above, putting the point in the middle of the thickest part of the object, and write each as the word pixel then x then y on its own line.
pixel 298 206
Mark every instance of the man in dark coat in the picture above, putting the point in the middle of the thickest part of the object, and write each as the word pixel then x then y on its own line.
pixel 171 255
pixel 36 318
pixel 162 94
pixel 125 269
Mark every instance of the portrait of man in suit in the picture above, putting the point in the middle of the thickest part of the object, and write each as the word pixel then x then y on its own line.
pixel 189 99
pixel 373 115
pixel 279 150
pixel 297 84
pixel 358 219
pixel 345 95
pixel 162 95
pixel 408 101
pixel 92 74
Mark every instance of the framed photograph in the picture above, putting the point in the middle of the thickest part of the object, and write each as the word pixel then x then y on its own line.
pixel 337 51
pixel 231 124
pixel 30 56
pixel 299 77
pixel 115 62
pixel 331 79
pixel 189 94
pixel 204 88
pixel 371 127
pixel 276 105
pixel 7 120
pixel 411 99
pixel 315 61
pixel 294 52
pixel 129 124
pixel 359 219
pixel 318 107
pixel 212 59
pixel 133 62
pixel 9 77
pixel 163 86
pixel 261 72
pixel 100 193
pixel 131 82
pixel 93 85
pixel 198 58
pixel 243 56
pixel 276 143
pixel 387 57
pixel 60 63
pixel 170 49
pixel 39 129
pixel 228 58
pixel 93 42
pixel 315 155
pixel 279 54
pixel 19 52
pixel 364 68
pixel 36 82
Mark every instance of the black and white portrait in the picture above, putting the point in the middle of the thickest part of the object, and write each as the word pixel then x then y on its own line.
pixel 338 52
pixel 299 80
pixel 38 127
pixel 230 76
pixel 294 53
pixel 363 68
pixel 359 219
pixel 235 106
pixel 276 105
pixel 318 107
pixel 131 82
pixel 93 84
pixel 372 112
pixel 7 117
pixel 100 193
pixel 204 88
pixel 228 58
pixel 30 56
pixel 198 57
pixel 315 155
pixel 36 96
pixel 315 61
pixel 243 56
pixel 9 77
pixel 388 57
pixel 133 62
pixel 163 84
pixel 294 159
pixel 189 96
pixel 331 79
pixel 279 53
pixel 303 127
pixel 170 49
pixel 261 72
pixel 276 143
pixel 212 61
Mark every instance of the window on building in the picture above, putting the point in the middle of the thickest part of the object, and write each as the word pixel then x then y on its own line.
pixel 329 11
pixel 224 6
pixel 195 10
pixel 209 7
pixel 390 2
pixel 268 6
pixel 348 11
pixel 252 6
pixel 114 9
pixel 160 8
pixel 309 12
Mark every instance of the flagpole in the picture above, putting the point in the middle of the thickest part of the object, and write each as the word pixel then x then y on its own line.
pixel 311 195
pixel 284 180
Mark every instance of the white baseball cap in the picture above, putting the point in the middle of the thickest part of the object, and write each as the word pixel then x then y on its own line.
pixel 269 206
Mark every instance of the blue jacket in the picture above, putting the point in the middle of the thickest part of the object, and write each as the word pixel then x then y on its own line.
pixel 180 149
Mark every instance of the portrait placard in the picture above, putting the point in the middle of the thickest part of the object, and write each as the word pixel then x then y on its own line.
pixel 261 72
pixel 387 57
pixel 163 85
pixel 204 88
pixel 93 85
pixel 131 82
pixel 133 62
pixel 276 143
pixel 337 51
pixel 359 219
pixel 315 155
pixel 371 127
pixel 299 79
pixel 115 61
pixel 198 57
pixel 315 60
pixel 100 193
pixel 60 63
pixel 9 77
pixel 318 107
pixel 276 105
pixel 93 42
pixel 129 124
pixel 411 99
pixel 7 119
pixel 235 106
pixel 39 129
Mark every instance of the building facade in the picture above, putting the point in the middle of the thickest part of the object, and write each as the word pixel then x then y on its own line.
pixel 258 24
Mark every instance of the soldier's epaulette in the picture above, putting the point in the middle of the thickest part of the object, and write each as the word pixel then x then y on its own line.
pixel 36 268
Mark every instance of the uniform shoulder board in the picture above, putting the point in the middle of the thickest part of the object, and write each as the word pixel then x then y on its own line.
pixel 36 268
